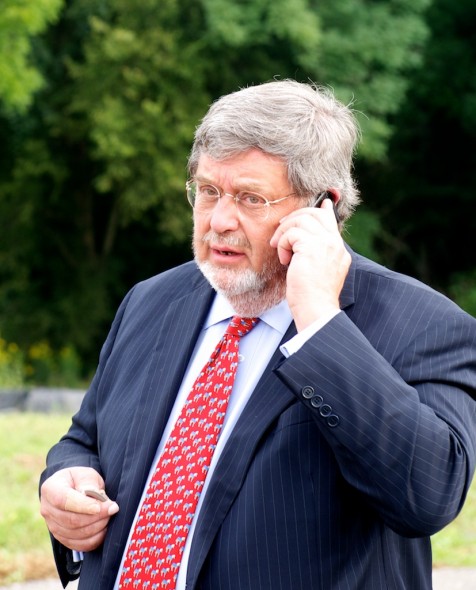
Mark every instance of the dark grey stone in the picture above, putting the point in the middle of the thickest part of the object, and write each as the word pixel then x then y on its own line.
pixel 57 400
pixel 13 400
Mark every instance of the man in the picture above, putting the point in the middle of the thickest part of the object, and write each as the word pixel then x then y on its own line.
pixel 349 437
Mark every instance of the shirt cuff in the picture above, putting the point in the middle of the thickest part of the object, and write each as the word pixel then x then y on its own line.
pixel 293 345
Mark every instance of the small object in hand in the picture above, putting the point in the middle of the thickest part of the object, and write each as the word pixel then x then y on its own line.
pixel 96 494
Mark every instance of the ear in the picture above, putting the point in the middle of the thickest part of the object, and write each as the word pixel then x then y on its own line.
pixel 334 194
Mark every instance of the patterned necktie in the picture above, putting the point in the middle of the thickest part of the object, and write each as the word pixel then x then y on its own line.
pixel 158 540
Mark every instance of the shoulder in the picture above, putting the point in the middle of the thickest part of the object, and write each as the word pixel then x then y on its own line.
pixel 391 284
pixel 153 295
pixel 380 292
pixel 173 282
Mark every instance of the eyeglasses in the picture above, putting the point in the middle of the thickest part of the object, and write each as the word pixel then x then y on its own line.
pixel 204 196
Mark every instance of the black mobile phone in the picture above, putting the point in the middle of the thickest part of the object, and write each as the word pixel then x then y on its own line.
pixel 320 199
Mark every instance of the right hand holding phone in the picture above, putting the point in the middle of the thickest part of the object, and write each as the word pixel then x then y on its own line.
pixel 308 241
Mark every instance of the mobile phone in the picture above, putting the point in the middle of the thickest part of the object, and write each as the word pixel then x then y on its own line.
pixel 96 494
pixel 320 199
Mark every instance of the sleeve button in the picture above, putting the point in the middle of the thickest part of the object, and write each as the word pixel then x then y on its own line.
pixel 316 401
pixel 325 411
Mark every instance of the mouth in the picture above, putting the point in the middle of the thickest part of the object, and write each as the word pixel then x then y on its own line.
pixel 225 252
pixel 220 252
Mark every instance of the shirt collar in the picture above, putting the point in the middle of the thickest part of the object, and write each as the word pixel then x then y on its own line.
pixel 278 317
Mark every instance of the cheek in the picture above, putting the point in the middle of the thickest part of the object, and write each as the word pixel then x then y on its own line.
pixel 200 226
pixel 262 234
pixel 198 233
pixel 260 244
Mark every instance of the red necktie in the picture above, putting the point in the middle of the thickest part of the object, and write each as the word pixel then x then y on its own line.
pixel 158 540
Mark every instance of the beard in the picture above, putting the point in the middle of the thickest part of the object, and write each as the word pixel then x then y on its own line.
pixel 249 292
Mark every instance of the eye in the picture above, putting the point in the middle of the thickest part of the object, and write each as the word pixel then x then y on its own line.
pixel 251 200
pixel 208 191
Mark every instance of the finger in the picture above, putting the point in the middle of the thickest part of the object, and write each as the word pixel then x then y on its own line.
pixel 77 526
pixel 289 243
pixel 81 544
pixel 305 218
pixel 76 501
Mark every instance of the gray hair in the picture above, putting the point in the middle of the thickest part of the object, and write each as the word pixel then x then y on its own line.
pixel 302 123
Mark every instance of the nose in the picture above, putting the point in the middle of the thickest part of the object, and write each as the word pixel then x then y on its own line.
pixel 225 215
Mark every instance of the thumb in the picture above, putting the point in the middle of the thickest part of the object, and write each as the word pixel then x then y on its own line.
pixel 87 493
pixel 76 501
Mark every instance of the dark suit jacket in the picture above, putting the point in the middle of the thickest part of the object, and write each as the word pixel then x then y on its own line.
pixel 348 456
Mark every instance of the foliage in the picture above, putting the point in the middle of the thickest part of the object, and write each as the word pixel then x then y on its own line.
pixel 11 366
pixel 92 175
pixel 367 52
pixel 362 231
pixel 20 21
pixel 38 365
pixel 425 194
pixel 463 290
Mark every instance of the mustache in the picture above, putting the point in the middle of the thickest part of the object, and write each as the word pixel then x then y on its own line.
pixel 222 240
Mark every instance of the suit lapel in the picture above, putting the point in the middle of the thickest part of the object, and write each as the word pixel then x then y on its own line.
pixel 177 332
pixel 180 325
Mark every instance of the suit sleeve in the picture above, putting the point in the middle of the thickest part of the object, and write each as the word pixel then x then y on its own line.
pixel 399 412
pixel 78 447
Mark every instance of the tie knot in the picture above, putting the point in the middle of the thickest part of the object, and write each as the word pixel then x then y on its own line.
pixel 240 326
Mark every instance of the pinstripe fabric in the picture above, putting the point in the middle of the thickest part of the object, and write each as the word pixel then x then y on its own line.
pixel 348 456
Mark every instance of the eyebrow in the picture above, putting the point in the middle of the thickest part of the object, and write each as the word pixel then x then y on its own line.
pixel 249 186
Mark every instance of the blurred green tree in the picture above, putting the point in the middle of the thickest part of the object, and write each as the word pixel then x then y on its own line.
pixel 425 192
pixel 20 22
pixel 91 185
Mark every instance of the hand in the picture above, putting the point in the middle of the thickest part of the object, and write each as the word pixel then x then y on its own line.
pixel 308 240
pixel 74 519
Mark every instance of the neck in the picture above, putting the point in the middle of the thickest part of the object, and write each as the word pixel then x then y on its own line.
pixel 253 304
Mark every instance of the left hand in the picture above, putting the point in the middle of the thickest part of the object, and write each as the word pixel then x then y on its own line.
pixel 74 519
pixel 309 242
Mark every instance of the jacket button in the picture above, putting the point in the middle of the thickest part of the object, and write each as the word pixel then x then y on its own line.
pixel 325 411
pixel 307 392
pixel 333 421
pixel 316 401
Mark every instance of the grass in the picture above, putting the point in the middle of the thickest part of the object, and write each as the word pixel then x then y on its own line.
pixel 25 551
pixel 456 544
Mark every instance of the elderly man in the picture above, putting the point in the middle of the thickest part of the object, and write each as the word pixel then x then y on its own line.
pixel 329 434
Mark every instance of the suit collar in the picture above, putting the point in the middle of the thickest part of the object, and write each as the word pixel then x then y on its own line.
pixel 347 296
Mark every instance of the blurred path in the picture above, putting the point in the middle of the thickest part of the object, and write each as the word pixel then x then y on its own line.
pixel 445 578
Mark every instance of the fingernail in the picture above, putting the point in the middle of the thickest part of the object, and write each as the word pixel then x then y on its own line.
pixel 113 509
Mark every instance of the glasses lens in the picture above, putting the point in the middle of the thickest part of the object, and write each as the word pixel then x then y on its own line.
pixel 204 196
pixel 200 195
pixel 251 202
pixel 190 192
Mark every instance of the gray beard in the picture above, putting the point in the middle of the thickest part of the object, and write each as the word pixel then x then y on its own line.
pixel 248 292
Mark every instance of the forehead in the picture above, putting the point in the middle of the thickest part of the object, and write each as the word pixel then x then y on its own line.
pixel 252 167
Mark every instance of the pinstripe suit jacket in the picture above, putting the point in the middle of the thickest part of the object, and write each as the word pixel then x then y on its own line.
pixel 348 456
